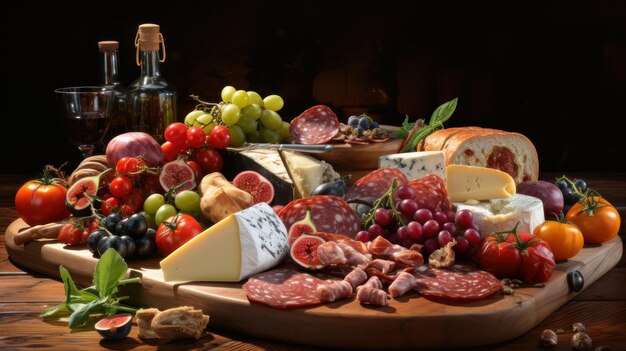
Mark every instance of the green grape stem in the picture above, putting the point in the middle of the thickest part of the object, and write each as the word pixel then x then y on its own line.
pixel 388 198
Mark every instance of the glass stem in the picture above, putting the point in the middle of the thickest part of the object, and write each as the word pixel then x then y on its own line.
pixel 86 150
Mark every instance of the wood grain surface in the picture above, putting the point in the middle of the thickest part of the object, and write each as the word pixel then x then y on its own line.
pixel 24 294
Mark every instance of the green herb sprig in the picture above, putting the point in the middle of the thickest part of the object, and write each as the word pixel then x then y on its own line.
pixel 439 116
pixel 101 298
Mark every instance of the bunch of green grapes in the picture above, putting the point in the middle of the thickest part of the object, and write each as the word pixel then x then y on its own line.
pixel 249 117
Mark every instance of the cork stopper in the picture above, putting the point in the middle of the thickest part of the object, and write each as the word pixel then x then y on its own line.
pixel 148 37
pixel 108 45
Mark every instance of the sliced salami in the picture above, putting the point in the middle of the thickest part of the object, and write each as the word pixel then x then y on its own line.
pixel 375 184
pixel 459 283
pixel 329 213
pixel 316 125
pixel 285 288
pixel 430 192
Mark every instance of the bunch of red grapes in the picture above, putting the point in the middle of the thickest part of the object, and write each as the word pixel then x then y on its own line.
pixel 407 224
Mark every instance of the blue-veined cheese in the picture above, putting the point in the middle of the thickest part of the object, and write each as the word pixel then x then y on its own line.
pixel 477 183
pixel 240 245
pixel 503 214
pixel 416 164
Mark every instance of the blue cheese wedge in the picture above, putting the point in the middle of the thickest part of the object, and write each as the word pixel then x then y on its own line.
pixel 503 214
pixel 242 244
pixel 416 164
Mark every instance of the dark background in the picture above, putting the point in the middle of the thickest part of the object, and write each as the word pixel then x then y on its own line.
pixel 554 70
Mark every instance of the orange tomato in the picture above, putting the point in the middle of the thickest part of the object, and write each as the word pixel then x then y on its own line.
pixel 564 239
pixel 597 219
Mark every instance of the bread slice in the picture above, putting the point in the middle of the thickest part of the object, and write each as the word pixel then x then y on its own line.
pixel 144 320
pixel 179 322
pixel 509 152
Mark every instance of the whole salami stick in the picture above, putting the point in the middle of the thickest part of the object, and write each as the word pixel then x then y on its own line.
pixel 50 230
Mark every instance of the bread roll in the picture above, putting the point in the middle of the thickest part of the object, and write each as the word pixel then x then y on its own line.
pixel 509 152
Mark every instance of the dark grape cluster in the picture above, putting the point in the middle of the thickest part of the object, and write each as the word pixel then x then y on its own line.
pixel 407 224
pixel 130 237
pixel 572 191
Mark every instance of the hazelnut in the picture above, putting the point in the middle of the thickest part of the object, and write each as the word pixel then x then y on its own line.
pixel 579 327
pixel 581 342
pixel 548 339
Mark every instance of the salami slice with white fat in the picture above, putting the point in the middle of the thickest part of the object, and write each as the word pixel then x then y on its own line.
pixel 459 283
pixel 329 213
pixel 375 184
pixel 285 288
pixel 430 192
pixel 316 125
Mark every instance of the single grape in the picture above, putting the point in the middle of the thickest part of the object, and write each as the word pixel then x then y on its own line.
pixel 363 236
pixel 254 98
pixel 187 200
pixel 580 184
pixel 405 192
pixel 164 212
pixel 574 198
pixel 227 93
pixel 430 228
pixel 461 244
pixel 383 216
pixel 270 136
pixel 375 230
pixel 364 122
pixel 402 233
pixel 374 124
pixel 450 215
pixel 273 102
pixel 240 98
pixel 360 129
pixel 205 121
pixel 440 217
pixel 423 215
pixel 562 184
pixel 472 236
pixel 271 120
pixel 443 238
pixel 353 121
pixel 464 218
pixel 152 203
pixel 430 245
pixel 230 114
pixel 414 230
pixel 252 111
pixel 283 133
pixel 237 136
pixel 191 117
pixel 450 227
pixel 247 124
pixel 408 207
pixel 254 137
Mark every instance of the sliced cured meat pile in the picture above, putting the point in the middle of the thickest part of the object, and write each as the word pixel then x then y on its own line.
pixel 285 288
pixel 329 214
pixel 375 184
pixel 430 192
pixel 316 125
pixel 459 283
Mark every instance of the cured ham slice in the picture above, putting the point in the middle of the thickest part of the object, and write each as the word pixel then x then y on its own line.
pixel 403 283
pixel 330 253
pixel 334 291
pixel 372 296
pixel 356 277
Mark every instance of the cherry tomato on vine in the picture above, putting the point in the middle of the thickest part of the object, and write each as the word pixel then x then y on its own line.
pixel 129 164
pixel 176 133
pixel 171 151
pixel 195 137
pixel 120 186
pixel 41 201
pixel 176 231
pixel 219 137
pixel 209 159
pixel 109 205
pixel 196 169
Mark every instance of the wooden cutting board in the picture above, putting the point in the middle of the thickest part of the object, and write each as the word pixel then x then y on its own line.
pixel 411 321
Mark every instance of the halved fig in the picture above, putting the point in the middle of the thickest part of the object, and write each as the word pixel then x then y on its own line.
pixel 256 185
pixel 78 198
pixel 303 226
pixel 177 175
pixel 115 327
pixel 304 251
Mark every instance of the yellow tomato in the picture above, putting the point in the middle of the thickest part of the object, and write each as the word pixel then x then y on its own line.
pixel 598 226
pixel 565 240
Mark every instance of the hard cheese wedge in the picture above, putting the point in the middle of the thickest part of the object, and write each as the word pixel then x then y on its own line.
pixel 503 214
pixel 307 172
pixel 240 245
pixel 416 164
pixel 477 183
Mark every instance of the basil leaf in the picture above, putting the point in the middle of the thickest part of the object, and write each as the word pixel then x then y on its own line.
pixel 405 129
pixel 82 312
pixel 439 116
pixel 443 112
pixel 71 291
pixel 55 310
pixel 110 268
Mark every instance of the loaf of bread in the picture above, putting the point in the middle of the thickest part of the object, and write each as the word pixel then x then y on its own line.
pixel 509 152
pixel 173 323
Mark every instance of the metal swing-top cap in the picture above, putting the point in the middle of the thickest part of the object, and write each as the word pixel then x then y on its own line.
pixel 108 45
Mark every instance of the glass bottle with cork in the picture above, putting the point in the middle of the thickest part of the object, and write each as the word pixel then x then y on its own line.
pixel 110 64
pixel 151 100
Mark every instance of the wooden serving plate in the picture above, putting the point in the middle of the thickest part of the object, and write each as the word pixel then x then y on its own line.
pixel 410 322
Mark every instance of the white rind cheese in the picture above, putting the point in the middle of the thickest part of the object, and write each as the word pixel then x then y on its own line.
pixel 416 164
pixel 307 172
pixel 240 245
pixel 477 183
pixel 502 214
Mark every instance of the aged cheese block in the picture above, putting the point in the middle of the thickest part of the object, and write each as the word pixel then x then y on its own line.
pixel 503 214
pixel 416 164
pixel 477 183
pixel 307 172
pixel 240 245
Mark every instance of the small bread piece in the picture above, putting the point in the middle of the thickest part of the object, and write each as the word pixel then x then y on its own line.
pixel 144 320
pixel 509 152
pixel 179 322
pixel 443 257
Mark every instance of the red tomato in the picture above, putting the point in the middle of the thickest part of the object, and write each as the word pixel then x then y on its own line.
pixel 121 186
pixel 109 205
pixel 537 263
pixel 209 159
pixel 195 137
pixel 41 201
pixel 498 255
pixel 171 151
pixel 176 133
pixel 219 137
pixel 129 164
pixel 175 232
pixel 71 233
pixel 134 200
pixel 597 219
pixel 196 169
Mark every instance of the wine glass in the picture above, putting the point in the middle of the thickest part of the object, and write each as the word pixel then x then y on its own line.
pixel 85 112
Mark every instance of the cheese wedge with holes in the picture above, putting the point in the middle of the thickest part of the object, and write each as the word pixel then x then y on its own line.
pixel 242 244
pixel 497 215
pixel 477 183
pixel 417 164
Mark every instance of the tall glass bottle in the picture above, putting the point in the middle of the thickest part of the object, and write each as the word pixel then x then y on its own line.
pixel 110 77
pixel 151 100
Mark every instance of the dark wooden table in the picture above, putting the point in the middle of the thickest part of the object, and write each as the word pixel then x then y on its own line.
pixel 24 295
